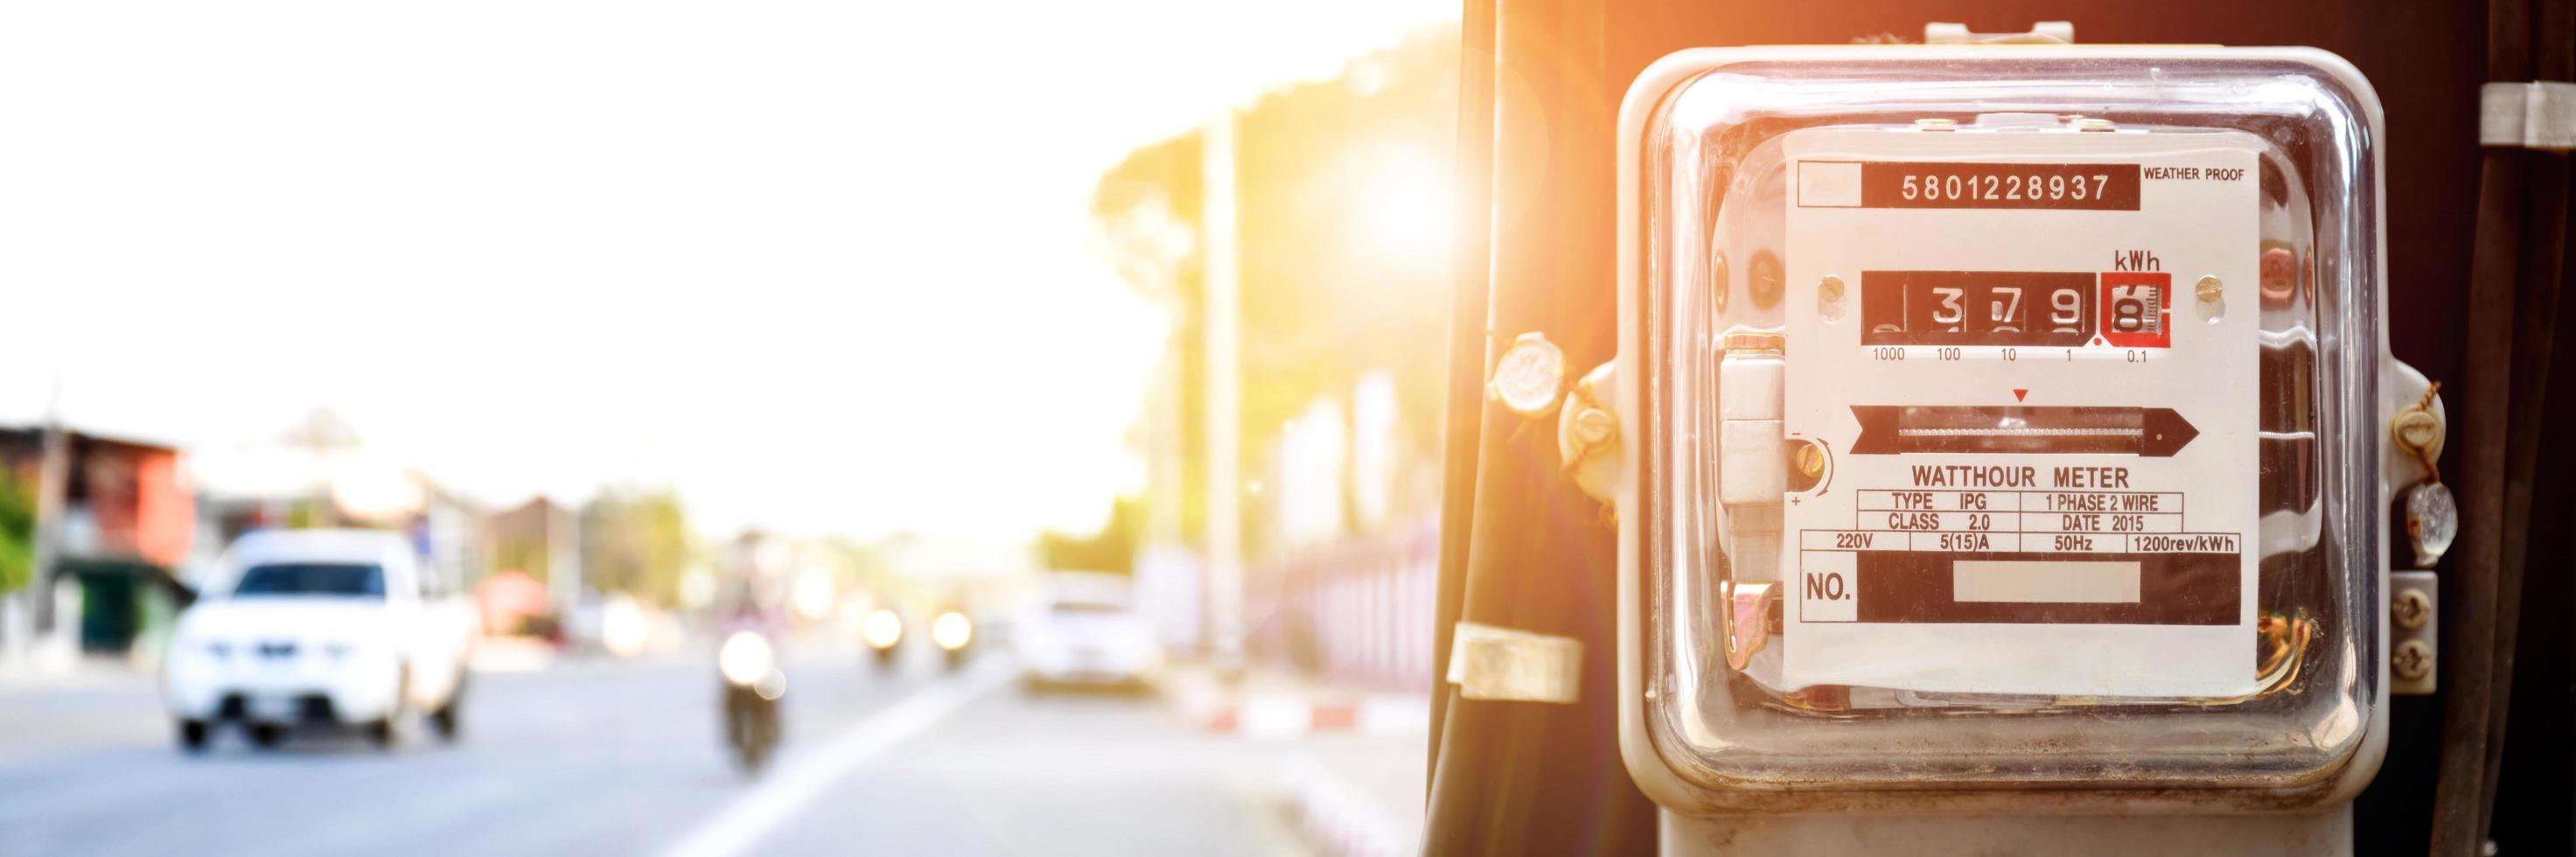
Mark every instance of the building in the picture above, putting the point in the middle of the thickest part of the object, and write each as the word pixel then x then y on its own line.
pixel 114 519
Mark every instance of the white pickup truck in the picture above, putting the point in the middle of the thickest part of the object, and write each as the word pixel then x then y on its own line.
pixel 318 628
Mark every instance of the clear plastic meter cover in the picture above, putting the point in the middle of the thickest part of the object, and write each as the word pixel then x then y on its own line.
pixel 2006 418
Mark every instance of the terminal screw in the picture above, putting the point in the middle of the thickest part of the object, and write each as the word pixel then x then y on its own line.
pixel 2411 609
pixel 2413 660
pixel 1810 460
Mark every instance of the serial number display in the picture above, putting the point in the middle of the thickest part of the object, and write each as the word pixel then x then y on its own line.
pixel 1936 184
pixel 2027 308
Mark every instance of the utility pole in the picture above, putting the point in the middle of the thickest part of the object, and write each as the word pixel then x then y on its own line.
pixel 1224 490
pixel 53 481
pixel 563 557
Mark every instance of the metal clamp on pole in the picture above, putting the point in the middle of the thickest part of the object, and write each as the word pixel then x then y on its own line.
pixel 2042 33
pixel 1490 663
pixel 2537 114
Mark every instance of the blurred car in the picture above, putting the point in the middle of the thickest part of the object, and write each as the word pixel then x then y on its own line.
pixel 300 628
pixel 952 631
pixel 1085 629
pixel 883 630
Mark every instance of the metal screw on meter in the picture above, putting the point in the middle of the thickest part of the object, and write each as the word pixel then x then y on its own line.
pixel 1829 298
pixel 2213 303
pixel 1763 284
pixel 1594 425
pixel 1806 466
pixel 1717 275
pixel 2413 660
pixel 2410 609
pixel 2419 429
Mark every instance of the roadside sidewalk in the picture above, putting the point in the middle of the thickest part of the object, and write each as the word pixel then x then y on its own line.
pixel 1350 771
pixel 1357 797
pixel 35 673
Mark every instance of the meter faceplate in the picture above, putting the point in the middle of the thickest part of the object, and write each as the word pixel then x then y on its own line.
pixel 2039 448
pixel 2226 644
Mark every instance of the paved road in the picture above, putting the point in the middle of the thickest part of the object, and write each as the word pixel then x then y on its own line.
pixel 622 758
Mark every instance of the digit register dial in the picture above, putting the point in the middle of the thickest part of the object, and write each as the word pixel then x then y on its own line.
pixel 1976 308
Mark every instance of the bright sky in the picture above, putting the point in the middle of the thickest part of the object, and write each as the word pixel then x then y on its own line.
pixel 822 266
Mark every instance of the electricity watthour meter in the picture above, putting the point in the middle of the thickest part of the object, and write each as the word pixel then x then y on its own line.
pixel 2009 431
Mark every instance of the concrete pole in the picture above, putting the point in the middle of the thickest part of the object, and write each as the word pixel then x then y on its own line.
pixel 1224 397
pixel 563 558
pixel 1163 508
pixel 53 483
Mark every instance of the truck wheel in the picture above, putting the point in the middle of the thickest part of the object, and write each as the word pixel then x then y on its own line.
pixel 444 720
pixel 267 735
pixel 192 735
pixel 383 732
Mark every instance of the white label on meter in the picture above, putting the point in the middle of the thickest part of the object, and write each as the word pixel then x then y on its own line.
pixel 2043 439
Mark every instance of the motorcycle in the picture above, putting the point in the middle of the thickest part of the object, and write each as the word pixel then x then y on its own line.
pixel 753 687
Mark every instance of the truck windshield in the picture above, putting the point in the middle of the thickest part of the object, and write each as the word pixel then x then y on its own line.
pixel 346 580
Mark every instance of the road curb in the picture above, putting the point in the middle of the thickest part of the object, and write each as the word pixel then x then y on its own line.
pixel 1339 819
pixel 1289 709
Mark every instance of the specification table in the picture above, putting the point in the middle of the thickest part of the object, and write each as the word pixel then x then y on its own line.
pixel 1915 550
pixel 2013 521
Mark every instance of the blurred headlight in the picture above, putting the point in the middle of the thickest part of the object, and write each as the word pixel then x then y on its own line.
pixel 745 658
pixel 882 629
pixel 951 630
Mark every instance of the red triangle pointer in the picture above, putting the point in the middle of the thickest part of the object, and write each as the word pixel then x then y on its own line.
pixel 2020 394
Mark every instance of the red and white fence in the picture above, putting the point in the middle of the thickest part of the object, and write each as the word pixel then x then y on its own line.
pixel 1357 612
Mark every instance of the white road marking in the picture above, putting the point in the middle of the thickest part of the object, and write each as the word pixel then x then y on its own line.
pixel 786 790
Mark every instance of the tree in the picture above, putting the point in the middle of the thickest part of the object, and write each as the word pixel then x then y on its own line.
pixel 636 542
pixel 1333 282
pixel 17 532
pixel 1111 549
